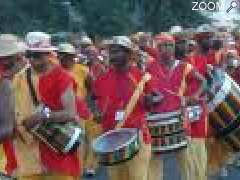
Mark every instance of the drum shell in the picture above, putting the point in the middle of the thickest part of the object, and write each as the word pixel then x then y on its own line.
pixel 169 143
pixel 224 113
pixel 165 123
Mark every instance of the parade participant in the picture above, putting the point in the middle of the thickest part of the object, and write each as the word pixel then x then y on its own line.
pixel 24 85
pixel 67 57
pixel 57 90
pixel 198 130
pixel 9 61
pixel 169 78
pixel 113 91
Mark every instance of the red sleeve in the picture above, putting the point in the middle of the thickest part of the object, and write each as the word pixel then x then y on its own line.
pixel 64 81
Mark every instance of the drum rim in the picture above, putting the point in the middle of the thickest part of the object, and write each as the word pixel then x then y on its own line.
pixel 164 122
pixel 174 147
pixel 75 137
pixel 164 115
pixel 132 139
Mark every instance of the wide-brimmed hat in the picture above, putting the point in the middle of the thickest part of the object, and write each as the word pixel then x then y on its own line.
pixel 10 45
pixel 85 40
pixel 123 41
pixel 66 48
pixel 39 42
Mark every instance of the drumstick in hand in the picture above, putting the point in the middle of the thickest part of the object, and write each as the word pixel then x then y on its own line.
pixel 134 99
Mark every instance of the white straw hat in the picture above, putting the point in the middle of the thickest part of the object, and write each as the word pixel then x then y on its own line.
pixel 66 48
pixel 10 45
pixel 123 41
pixel 39 42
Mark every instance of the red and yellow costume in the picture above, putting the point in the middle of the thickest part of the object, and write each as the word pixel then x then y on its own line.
pixel 113 91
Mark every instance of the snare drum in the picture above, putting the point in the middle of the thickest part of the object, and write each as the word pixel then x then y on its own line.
pixel 116 146
pixel 61 137
pixel 224 111
pixel 161 124
pixel 167 131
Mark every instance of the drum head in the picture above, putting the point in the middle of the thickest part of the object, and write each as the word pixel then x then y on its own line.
pixel 114 140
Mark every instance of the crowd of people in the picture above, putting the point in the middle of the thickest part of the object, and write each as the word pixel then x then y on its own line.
pixel 91 82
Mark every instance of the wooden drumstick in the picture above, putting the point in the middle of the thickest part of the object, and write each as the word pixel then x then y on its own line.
pixel 134 99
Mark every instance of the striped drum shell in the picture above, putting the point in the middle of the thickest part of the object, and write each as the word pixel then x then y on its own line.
pixel 224 114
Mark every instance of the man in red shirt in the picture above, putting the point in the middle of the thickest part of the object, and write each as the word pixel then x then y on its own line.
pixel 169 77
pixel 113 90
pixel 57 90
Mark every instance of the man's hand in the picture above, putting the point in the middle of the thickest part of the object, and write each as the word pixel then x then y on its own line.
pixel 153 98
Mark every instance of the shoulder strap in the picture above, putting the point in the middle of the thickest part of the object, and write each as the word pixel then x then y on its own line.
pixel 31 87
pixel 187 69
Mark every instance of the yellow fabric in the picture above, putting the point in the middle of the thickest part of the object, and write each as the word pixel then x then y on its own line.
pixel 3 159
pixel 135 169
pixel 92 131
pixel 27 152
pixel 49 177
pixel 193 160
pixel 155 168
pixel 80 73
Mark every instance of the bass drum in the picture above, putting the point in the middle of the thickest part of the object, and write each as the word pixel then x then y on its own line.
pixel 224 108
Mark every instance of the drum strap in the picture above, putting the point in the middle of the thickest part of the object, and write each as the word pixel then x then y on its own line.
pixel 31 87
pixel 135 97
pixel 187 69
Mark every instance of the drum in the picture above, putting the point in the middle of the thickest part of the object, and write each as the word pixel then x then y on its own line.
pixel 61 137
pixel 117 146
pixel 224 110
pixel 167 131
pixel 6 177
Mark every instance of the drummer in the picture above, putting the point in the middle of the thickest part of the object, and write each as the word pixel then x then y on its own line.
pixel 56 90
pixel 169 78
pixel 113 90
pixel 10 59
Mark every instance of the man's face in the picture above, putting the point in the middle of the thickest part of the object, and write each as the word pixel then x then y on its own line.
pixel 39 61
pixel 67 60
pixel 12 65
pixel 118 56
pixel 166 50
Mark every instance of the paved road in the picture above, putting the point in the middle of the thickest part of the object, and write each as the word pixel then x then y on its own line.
pixel 172 171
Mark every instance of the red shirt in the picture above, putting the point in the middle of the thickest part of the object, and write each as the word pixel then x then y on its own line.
pixel 199 128
pixel 51 87
pixel 113 91
pixel 168 83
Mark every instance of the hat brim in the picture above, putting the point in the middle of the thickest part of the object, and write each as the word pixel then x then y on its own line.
pixel 11 53
pixel 48 49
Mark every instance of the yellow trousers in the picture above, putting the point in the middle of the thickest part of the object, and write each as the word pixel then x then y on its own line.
pixel 191 160
pixel 49 177
pixel 135 169
pixel 88 156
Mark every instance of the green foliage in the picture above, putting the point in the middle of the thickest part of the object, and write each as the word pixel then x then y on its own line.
pixel 98 17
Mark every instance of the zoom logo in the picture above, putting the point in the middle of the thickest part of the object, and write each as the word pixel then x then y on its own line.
pixel 206 6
